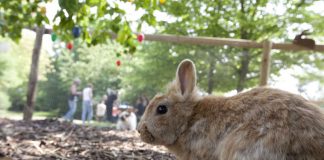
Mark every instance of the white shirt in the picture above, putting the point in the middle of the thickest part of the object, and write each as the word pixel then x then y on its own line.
pixel 101 109
pixel 87 94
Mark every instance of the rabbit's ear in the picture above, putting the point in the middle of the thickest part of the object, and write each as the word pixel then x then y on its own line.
pixel 186 77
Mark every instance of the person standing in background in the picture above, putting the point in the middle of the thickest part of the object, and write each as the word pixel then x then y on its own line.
pixel 140 105
pixel 112 97
pixel 73 98
pixel 87 111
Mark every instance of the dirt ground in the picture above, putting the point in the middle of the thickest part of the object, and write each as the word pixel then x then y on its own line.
pixel 52 139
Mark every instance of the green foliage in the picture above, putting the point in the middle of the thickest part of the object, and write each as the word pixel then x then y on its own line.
pixel 152 67
pixel 96 18
pixel 219 68
pixel 151 71
pixel 155 65
pixel 52 93
pixel 96 65
pixel 16 15
pixel 14 71
pixel 313 70
pixel 4 101
pixel 2 67
pixel 253 20
pixel 17 97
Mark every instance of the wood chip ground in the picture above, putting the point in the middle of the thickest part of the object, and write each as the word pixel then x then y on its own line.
pixel 51 139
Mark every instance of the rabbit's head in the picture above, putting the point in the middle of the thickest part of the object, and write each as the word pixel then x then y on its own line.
pixel 167 115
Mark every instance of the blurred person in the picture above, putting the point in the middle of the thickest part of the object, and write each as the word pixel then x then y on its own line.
pixel 116 108
pixel 111 100
pixel 87 111
pixel 101 109
pixel 72 100
pixel 140 105
pixel 145 100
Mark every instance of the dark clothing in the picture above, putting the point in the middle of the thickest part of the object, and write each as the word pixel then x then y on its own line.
pixel 109 103
pixel 140 109
pixel 72 97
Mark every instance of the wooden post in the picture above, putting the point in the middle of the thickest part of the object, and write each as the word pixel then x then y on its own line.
pixel 265 63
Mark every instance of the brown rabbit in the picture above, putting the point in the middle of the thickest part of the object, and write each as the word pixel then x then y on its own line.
pixel 261 124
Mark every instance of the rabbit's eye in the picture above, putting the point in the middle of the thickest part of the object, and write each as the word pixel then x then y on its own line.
pixel 161 109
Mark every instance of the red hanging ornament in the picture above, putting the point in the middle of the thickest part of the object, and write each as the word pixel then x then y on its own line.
pixel 140 37
pixel 69 46
pixel 118 63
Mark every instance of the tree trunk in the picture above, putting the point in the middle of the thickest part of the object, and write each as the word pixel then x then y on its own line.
pixel 212 64
pixel 245 59
pixel 243 70
pixel 33 76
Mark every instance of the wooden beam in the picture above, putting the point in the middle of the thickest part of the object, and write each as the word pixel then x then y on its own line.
pixel 293 47
pixel 265 63
pixel 213 41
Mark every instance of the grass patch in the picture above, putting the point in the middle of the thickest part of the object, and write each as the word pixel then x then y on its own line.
pixel 42 115
pixel 102 124
pixel 52 114
pixel 10 115
pixel 19 115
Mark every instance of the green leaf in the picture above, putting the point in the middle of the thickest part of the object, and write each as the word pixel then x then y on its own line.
pixel 85 10
pixel 93 2
pixel 102 9
pixel 71 6
pixel 122 36
pixel 46 19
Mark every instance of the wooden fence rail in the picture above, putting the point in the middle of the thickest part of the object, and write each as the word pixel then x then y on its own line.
pixel 213 41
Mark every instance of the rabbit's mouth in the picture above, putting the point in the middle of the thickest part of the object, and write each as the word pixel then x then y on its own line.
pixel 146 135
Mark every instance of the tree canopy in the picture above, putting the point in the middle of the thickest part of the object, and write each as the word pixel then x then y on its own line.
pixel 96 19
pixel 252 19
pixel 92 20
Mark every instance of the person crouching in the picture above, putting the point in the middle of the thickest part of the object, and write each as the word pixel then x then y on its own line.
pixel 101 109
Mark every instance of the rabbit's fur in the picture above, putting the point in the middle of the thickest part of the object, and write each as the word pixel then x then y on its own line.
pixel 261 124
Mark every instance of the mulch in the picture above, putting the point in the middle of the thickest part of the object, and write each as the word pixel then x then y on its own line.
pixel 51 139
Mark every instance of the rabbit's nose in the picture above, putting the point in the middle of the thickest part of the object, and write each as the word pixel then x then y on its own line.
pixel 139 130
